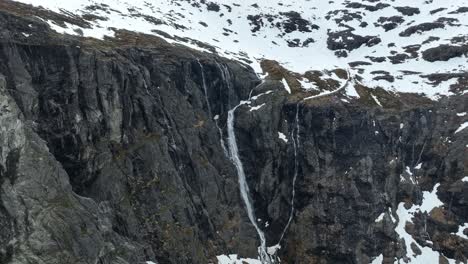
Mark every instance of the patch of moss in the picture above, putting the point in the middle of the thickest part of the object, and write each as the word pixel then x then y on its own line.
pixel 277 72
pixel 365 95
pixel 323 84
pixel 341 73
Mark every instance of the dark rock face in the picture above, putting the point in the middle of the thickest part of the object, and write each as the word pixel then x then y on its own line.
pixel 112 152
pixel 343 182
pixel 407 10
pixel 421 28
pixel 444 52
pixel 389 23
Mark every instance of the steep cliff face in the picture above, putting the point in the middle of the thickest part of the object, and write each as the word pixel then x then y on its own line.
pixel 117 151
pixel 355 165
pixel 110 153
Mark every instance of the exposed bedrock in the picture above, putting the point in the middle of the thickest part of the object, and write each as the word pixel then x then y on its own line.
pixel 113 152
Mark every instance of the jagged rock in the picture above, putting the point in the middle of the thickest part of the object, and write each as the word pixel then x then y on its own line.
pixel 421 28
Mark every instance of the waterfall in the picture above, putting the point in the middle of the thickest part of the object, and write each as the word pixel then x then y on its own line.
pixel 226 77
pixel 227 80
pixel 296 145
pixel 221 136
pixel 243 186
pixel 205 89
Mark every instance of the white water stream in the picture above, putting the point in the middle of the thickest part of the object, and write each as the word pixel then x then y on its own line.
pixel 296 144
pixel 243 186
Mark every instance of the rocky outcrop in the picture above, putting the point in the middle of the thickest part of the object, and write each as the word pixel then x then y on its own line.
pixel 114 152
pixel 444 52
pixel 349 41
pixel 111 153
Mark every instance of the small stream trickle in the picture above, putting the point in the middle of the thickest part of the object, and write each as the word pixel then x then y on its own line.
pixel 205 88
pixel 296 144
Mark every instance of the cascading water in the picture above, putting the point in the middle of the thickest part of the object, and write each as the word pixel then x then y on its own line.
pixel 296 145
pixel 205 89
pixel 244 188
pixel 227 80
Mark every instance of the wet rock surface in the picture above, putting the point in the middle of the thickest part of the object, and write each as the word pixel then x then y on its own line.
pixel 112 152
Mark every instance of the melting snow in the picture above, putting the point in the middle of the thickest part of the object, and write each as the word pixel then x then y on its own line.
pixel 229 31
pixel 308 85
pixel 286 85
pixel 430 201
pixel 255 108
pixel 378 260
pixel 461 114
pixel 462 126
pixel 233 259
pixel 460 231
pixel 273 249
pixel 283 137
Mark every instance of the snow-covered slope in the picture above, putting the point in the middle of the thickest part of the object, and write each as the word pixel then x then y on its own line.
pixel 392 44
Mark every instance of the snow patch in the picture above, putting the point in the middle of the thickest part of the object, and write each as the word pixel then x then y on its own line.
pixel 380 217
pixel 286 85
pixel 229 32
pixel 376 100
pixel 273 249
pixel 462 126
pixel 460 231
pixel 234 259
pixel 430 201
pixel 282 137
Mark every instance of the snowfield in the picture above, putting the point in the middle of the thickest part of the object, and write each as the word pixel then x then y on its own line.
pixel 384 40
